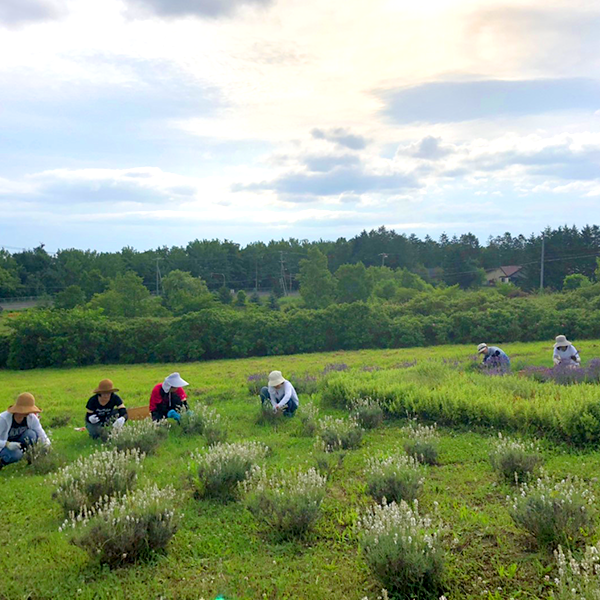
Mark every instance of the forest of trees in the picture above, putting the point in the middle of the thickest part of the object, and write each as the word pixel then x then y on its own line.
pixel 458 260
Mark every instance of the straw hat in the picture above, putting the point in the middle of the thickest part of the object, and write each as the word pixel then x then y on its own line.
pixel 105 386
pixel 275 378
pixel 481 348
pixel 24 405
pixel 561 340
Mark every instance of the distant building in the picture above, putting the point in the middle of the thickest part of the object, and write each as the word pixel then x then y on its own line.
pixel 510 274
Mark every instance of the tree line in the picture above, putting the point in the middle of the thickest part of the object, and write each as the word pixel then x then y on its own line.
pixel 276 266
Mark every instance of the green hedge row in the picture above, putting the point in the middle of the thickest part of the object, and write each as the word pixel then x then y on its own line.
pixel 52 338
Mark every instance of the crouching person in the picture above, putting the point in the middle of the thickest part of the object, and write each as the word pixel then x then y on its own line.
pixel 104 408
pixel 168 398
pixel 280 395
pixel 19 429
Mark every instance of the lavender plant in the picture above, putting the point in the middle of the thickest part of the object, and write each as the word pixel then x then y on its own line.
pixel 204 420
pixel 422 443
pixel 367 411
pixel 288 502
pixel 403 549
pixel 555 513
pixel 308 414
pixel 578 580
pixel 145 435
pixel 339 434
pixel 83 483
pixel 514 460
pixel 334 367
pixel 394 478
pixel 42 458
pixel 304 384
pixel 223 466
pixel 256 381
pixel 126 529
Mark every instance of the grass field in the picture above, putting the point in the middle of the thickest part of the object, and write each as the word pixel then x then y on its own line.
pixel 220 548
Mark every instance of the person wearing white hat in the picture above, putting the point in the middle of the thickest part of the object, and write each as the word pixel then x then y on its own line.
pixel 168 398
pixel 280 394
pixel 565 353
pixel 493 356
pixel 20 427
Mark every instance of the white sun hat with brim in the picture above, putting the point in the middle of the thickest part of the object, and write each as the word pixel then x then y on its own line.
pixel 275 378
pixel 175 380
pixel 561 340
pixel 481 348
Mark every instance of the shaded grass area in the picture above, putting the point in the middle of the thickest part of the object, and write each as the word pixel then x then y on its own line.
pixel 219 548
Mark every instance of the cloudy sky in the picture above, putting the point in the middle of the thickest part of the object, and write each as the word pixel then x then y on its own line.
pixel 155 122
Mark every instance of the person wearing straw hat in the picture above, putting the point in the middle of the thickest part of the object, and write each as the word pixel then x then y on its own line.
pixel 168 398
pixel 20 427
pixel 493 356
pixel 565 353
pixel 104 408
pixel 280 394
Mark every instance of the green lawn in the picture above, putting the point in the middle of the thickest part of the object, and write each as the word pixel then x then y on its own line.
pixel 220 549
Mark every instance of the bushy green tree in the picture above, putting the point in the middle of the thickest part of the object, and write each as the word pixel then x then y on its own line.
pixel 352 283
pixel 70 298
pixel 575 281
pixel 241 298
pixel 183 293
pixel 317 286
pixel 224 295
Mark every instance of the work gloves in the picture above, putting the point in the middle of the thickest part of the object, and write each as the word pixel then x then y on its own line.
pixel 94 419
pixel 13 445
pixel 173 414
pixel 119 423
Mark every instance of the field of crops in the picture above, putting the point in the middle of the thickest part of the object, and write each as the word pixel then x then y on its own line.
pixel 221 548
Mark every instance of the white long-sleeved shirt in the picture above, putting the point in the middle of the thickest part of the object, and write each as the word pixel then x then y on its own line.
pixel 568 356
pixel 280 397
pixel 32 423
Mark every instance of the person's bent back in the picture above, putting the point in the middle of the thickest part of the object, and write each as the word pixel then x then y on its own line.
pixel 168 398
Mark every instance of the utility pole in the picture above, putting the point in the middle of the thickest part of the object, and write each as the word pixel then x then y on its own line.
pixel 542 263
pixel 256 273
pixel 383 257
pixel 282 278
pixel 158 277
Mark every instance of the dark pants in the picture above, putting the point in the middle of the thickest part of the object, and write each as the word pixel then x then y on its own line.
pixel 288 410
pixel 27 438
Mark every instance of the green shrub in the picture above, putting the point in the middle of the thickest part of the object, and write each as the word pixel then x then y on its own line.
pixel 515 461
pixel 368 412
pixel 423 443
pixel 42 459
pixel 203 420
pixel 145 435
pixel 403 549
pixel 308 414
pixel 126 529
pixel 223 466
pixel 288 502
pixel 396 477
pixel 339 434
pixel 555 513
pixel 83 483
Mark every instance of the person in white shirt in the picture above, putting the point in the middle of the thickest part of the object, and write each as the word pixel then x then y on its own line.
pixel 565 353
pixel 280 394
pixel 20 428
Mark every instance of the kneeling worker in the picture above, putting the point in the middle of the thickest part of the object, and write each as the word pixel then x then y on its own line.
pixel 168 398
pixel 104 408
pixel 281 395
pixel 493 356
pixel 19 429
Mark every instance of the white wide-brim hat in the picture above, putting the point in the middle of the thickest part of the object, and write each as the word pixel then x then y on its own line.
pixel 175 380
pixel 561 340
pixel 275 378
pixel 481 348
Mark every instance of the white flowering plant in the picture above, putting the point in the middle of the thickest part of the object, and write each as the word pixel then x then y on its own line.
pixel 81 484
pixel 223 466
pixel 578 580
pixel 422 443
pixel 515 461
pixel 367 411
pixel 42 458
pixel 128 528
pixel 204 420
pixel 555 512
pixel 403 549
pixel 289 502
pixel 339 434
pixel 144 434
pixel 308 415
pixel 395 477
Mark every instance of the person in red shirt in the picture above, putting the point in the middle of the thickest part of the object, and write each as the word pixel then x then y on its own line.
pixel 168 398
